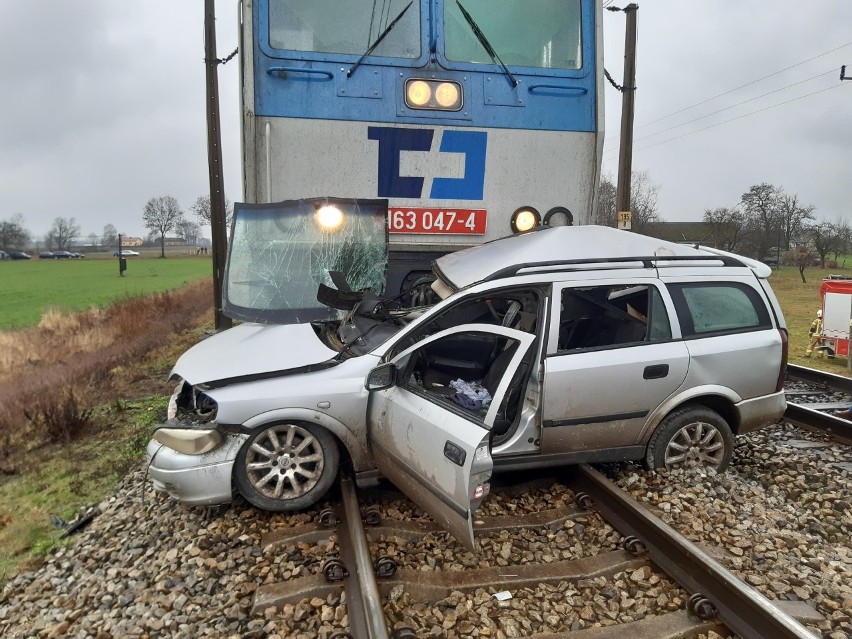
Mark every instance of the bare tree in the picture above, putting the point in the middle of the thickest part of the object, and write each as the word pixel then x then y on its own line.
pixel 826 237
pixel 793 218
pixel 643 201
pixel 760 204
pixel 188 230
pixel 201 209
pixel 13 236
pixel 605 213
pixel 161 215
pixel 802 256
pixel 93 239
pixel 727 226
pixel 64 231
pixel 844 235
pixel 109 236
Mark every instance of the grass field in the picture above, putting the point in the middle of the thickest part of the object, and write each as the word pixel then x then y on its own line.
pixel 29 288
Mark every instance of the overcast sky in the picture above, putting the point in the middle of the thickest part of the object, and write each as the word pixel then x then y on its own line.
pixel 103 105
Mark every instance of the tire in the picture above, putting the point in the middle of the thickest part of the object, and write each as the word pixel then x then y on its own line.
pixel 286 467
pixel 691 437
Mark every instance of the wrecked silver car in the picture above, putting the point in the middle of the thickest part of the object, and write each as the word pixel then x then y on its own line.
pixel 559 346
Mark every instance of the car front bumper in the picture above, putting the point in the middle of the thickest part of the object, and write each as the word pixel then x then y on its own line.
pixel 197 480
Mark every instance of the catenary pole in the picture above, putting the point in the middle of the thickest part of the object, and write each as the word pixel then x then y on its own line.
pixel 214 162
pixel 625 158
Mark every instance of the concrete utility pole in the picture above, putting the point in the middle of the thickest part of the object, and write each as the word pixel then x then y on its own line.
pixel 214 162
pixel 625 157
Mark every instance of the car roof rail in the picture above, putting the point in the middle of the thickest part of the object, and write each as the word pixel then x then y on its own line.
pixel 609 262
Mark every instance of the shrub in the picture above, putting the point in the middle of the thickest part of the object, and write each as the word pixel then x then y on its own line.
pixel 62 417
pixel 53 374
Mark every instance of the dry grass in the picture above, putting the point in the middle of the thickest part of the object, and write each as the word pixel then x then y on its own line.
pixel 52 375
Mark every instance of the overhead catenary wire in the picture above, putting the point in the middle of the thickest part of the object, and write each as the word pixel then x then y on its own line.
pixel 739 117
pixel 733 106
pixel 742 86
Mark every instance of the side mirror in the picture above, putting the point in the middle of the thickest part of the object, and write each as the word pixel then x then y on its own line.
pixel 381 377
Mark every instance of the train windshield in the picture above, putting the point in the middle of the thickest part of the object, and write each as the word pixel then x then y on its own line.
pixel 530 33
pixel 349 27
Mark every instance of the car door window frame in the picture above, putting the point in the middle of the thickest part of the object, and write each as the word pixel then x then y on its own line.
pixel 651 283
pixel 389 351
pixel 524 339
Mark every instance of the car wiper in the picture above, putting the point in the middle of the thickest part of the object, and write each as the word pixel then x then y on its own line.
pixel 485 43
pixel 378 40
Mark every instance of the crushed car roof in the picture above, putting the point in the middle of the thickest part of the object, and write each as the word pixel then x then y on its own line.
pixel 475 264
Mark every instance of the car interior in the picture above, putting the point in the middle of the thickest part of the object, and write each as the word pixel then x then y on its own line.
pixel 601 316
pixel 476 358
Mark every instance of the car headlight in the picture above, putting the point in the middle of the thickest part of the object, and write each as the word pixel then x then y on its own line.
pixel 525 219
pixel 189 441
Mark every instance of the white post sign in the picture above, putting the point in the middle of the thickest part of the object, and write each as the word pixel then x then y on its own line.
pixel 625 218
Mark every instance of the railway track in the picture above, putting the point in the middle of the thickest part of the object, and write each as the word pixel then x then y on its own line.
pixel 594 564
pixel 822 392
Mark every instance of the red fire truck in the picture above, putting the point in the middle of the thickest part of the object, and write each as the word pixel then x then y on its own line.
pixel 836 294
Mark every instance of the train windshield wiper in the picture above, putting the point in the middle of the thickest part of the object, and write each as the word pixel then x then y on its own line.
pixel 485 43
pixel 378 40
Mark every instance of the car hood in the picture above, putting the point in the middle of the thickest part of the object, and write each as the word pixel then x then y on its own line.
pixel 252 351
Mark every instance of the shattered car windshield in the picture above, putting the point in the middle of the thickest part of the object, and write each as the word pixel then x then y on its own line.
pixel 280 253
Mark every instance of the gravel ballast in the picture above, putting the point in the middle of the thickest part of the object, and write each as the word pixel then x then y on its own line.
pixel 780 518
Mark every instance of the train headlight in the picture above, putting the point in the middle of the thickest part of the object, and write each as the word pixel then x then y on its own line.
pixel 447 95
pixel 525 219
pixel 440 95
pixel 329 217
pixel 559 216
pixel 418 93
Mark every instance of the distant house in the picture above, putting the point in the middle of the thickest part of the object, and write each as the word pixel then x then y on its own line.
pixel 129 240
pixel 175 241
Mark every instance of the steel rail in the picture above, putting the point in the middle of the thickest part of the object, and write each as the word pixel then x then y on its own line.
pixel 808 417
pixel 363 601
pixel 823 422
pixel 740 607
pixel 820 377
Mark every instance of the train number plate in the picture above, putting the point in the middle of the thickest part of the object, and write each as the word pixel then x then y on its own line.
pixel 437 221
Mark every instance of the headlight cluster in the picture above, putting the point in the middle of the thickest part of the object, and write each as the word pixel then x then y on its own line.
pixel 439 95
pixel 527 218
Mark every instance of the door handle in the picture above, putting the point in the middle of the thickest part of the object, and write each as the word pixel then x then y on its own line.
pixel 454 453
pixel 658 371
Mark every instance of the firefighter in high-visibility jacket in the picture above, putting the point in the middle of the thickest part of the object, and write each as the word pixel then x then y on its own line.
pixel 815 335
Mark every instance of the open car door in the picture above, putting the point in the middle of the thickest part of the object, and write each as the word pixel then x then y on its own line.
pixel 431 440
